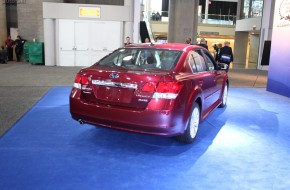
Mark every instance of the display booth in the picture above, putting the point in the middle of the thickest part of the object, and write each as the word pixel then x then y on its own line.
pixel 279 67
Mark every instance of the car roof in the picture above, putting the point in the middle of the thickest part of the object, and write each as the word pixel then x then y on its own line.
pixel 171 46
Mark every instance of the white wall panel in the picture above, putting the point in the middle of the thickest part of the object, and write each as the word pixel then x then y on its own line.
pixel 82 43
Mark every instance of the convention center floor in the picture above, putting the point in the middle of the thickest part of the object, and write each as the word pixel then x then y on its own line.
pixel 242 146
pixel 23 84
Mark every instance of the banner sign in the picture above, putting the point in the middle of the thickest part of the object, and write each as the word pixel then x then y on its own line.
pixel 90 12
pixel 279 66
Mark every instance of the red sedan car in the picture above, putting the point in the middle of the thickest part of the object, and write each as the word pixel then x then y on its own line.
pixel 160 89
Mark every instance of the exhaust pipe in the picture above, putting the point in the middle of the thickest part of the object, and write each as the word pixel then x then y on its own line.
pixel 80 121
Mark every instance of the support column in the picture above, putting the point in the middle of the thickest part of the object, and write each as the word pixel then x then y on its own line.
pixel 149 8
pixel 131 26
pixel 3 26
pixel 240 9
pixel 136 21
pixel 241 46
pixel 206 10
pixel 49 42
pixel 183 20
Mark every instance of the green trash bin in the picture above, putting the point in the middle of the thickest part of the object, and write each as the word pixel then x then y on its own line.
pixel 36 53
pixel 26 51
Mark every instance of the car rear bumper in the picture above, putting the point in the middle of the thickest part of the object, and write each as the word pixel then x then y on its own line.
pixel 165 123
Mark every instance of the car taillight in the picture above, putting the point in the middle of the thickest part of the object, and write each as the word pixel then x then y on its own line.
pixel 164 95
pixel 167 90
pixel 80 80
pixel 163 90
pixel 149 87
pixel 169 87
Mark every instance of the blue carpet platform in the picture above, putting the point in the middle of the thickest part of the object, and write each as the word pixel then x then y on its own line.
pixel 243 146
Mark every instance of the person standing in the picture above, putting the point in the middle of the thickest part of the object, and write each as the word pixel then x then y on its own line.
pixel 19 42
pixel 203 43
pixel 9 43
pixel 188 41
pixel 158 16
pixel 3 55
pixel 226 54
pixel 217 51
pixel 127 41
pixel 147 40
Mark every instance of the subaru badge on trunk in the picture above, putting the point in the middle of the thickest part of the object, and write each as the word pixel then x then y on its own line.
pixel 114 75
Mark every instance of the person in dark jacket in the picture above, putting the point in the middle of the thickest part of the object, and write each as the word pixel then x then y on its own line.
pixel 188 40
pixel 217 51
pixel 203 43
pixel 19 43
pixel 226 54
pixel 3 55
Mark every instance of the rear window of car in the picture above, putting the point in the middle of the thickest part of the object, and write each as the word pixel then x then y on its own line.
pixel 133 58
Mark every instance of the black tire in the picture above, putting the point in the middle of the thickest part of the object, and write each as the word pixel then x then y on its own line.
pixel 192 127
pixel 224 97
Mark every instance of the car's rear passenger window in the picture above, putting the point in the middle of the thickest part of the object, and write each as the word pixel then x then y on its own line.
pixel 209 62
pixel 199 61
pixel 191 64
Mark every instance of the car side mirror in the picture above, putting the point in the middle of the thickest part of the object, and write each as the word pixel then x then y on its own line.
pixel 222 66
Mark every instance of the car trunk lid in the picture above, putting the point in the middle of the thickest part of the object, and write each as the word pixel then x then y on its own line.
pixel 121 87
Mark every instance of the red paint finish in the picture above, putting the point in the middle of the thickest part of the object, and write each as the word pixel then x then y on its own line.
pixel 148 88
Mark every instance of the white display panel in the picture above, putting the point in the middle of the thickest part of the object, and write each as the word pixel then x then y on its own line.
pixel 66 43
pixel 82 43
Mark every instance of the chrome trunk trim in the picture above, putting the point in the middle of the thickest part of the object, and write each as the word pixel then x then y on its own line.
pixel 114 84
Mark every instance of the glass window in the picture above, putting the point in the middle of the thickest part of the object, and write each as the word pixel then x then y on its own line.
pixel 142 58
pixel 253 8
pixel 199 61
pixel 209 61
pixel 196 62
pixel 191 64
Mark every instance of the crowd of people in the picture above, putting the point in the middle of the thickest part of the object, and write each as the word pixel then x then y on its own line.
pixel 222 54
pixel 6 52
pixel 156 16
pixel 128 41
